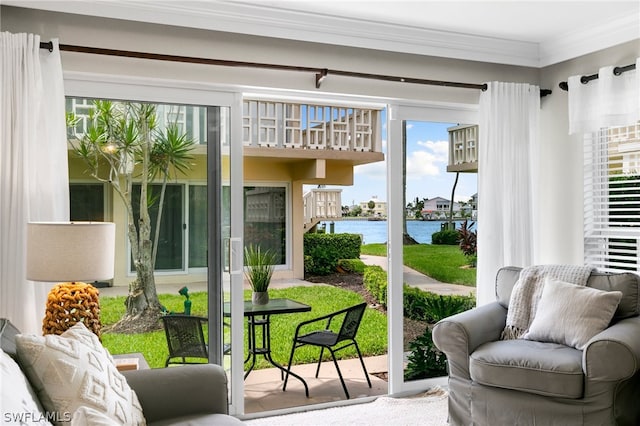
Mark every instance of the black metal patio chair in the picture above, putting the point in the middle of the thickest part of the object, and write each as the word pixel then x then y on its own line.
pixel 334 341
pixel 185 338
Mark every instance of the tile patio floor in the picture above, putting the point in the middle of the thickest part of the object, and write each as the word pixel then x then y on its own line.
pixel 263 388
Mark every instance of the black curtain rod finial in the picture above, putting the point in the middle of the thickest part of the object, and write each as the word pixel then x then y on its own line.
pixel 47 45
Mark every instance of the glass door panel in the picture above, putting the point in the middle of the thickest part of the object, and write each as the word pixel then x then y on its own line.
pixel 193 209
pixel 198 226
pixel 430 203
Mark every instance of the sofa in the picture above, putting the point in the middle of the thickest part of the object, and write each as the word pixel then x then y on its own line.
pixel 192 394
pixel 495 380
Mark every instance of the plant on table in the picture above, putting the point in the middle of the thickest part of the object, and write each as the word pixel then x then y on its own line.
pixel 260 265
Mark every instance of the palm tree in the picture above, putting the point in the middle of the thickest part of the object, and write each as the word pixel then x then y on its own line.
pixel 125 147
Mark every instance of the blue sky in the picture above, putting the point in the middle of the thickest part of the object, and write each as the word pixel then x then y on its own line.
pixel 427 177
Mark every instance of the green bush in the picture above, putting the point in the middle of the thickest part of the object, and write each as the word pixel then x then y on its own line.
pixel 447 237
pixel 327 249
pixel 308 263
pixel 426 306
pixel 375 281
pixel 354 266
pixel 425 360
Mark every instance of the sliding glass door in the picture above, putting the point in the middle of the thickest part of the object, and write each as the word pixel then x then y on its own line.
pixel 200 234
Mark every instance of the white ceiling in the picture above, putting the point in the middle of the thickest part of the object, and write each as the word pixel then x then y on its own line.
pixel 529 33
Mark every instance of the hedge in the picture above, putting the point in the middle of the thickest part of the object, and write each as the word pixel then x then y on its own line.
pixel 324 251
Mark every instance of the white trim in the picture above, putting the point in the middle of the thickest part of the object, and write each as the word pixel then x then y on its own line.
pixel 395 212
pixel 109 86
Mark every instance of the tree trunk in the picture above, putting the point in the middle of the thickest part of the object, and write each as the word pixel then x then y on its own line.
pixel 450 224
pixel 143 307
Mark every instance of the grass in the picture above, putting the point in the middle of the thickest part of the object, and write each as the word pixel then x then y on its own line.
pixel 440 262
pixel 372 336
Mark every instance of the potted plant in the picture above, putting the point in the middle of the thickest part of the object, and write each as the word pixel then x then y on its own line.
pixel 260 265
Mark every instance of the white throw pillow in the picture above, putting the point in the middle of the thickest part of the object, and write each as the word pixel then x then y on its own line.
pixel 87 416
pixel 73 370
pixel 18 402
pixel 571 314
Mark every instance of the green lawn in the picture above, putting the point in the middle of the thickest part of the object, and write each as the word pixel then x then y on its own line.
pixel 440 262
pixel 372 337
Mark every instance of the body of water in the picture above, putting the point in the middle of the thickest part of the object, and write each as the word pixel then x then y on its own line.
pixel 376 231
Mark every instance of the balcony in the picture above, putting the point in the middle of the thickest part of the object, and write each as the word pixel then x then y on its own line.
pixel 321 204
pixel 463 149
pixel 321 138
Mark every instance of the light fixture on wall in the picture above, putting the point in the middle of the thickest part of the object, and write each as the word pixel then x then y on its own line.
pixel 70 253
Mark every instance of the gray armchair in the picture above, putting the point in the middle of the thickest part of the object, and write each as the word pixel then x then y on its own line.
pixel 526 382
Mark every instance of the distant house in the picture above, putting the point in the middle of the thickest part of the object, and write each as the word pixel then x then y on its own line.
pixel 438 208
pixel 379 209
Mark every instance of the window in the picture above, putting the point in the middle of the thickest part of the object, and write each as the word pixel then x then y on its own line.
pixel 612 199
pixel 171 240
pixel 86 201
pixel 197 226
pixel 265 219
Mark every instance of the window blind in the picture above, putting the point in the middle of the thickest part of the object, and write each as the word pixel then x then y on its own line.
pixel 612 199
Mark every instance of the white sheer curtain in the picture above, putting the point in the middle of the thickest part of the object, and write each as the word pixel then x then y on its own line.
pixel 608 101
pixel 34 181
pixel 508 136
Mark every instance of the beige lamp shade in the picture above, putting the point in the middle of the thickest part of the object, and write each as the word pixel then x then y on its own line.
pixel 70 251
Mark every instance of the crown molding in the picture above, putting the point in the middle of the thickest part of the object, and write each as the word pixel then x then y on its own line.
pixel 600 36
pixel 269 21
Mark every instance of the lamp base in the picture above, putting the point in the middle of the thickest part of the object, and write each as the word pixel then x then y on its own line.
pixel 70 303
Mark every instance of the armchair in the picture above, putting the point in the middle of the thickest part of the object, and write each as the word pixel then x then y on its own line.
pixel 527 382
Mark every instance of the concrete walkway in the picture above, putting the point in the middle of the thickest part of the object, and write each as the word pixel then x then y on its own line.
pixel 421 281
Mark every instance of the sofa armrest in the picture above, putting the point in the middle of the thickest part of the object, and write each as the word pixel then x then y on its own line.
pixel 613 354
pixel 165 393
pixel 459 335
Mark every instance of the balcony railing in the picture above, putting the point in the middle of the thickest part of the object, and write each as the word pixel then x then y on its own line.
pixel 277 124
pixel 321 204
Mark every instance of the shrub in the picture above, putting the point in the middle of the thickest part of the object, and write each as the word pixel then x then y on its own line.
pixel 375 281
pixel 354 266
pixel 468 242
pixel 426 306
pixel 308 263
pixel 425 360
pixel 327 249
pixel 447 237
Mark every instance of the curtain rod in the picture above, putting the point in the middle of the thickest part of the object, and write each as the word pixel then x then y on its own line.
pixel 321 73
pixel 587 78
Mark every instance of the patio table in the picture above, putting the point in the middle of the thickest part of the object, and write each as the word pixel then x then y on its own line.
pixel 259 316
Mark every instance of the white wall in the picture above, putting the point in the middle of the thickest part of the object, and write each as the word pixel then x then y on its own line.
pixel 560 198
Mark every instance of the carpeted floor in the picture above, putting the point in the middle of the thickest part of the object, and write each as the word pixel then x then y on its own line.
pixel 429 409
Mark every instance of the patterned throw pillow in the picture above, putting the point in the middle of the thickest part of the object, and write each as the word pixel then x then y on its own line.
pixel 18 402
pixel 74 370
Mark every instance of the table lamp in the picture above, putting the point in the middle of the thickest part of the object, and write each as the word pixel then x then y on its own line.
pixel 70 253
